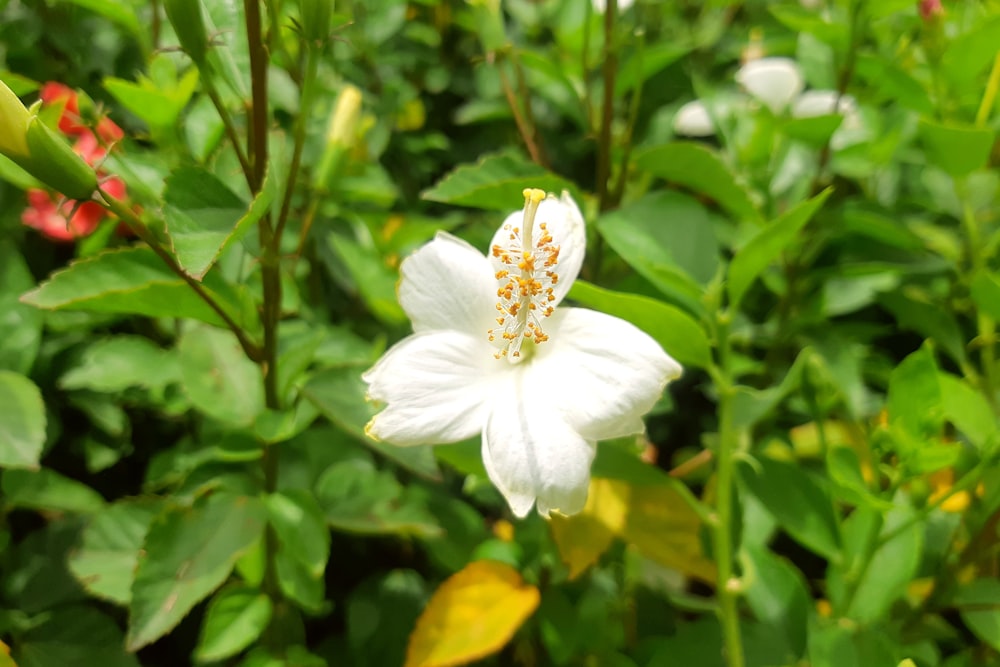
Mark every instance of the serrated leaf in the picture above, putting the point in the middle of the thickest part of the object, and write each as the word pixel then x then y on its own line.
pixel 473 614
pixel 235 618
pixel 677 332
pixel 112 365
pixel 218 378
pixel 699 168
pixel 22 421
pixel 104 562
pixel 495 183
pixel 135 281
pixel 751 260
pixel 204 216
pixel 187 554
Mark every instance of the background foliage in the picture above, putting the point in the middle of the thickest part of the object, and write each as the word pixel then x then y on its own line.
pixel 820 488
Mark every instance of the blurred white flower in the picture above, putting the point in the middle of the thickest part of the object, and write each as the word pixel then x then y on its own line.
pixel 601 6
pixel 775 82
pixel 693 120
pixel 491 354
pixel 811 4
pixel 822 103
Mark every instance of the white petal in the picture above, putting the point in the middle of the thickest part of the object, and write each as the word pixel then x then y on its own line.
pixel 822 103
pixel 693 120
pixel 773 81
pixel 601 374
pixel 565 223
pixel 435 387
pixel 448 284
pixel 531 454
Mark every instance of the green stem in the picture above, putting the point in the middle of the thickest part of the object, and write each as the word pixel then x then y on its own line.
pixel 128 216
pixel 301 125
pixel 727 585
pixel 990 94
pixel 610 70
pixel 986 327
pixel 228 125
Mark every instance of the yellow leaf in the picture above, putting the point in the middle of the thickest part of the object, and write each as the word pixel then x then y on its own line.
pixel 472 614
pixel 665 529
pixel 583 537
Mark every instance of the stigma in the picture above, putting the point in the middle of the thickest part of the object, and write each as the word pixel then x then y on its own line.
pixel 528 260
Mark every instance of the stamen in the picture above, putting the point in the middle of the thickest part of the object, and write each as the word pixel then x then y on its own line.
pixel 525 296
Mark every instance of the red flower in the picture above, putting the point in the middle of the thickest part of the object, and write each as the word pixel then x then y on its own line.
pixel 66 219
pixel 930 10
pixel 69 122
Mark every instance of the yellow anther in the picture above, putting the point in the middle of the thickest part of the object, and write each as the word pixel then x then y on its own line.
pixel 533 195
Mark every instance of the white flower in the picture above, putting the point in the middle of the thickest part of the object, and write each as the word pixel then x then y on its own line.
pixel 601 6
pixel 773 81
pixel 693 120
pixel 822 103
pixel 491 354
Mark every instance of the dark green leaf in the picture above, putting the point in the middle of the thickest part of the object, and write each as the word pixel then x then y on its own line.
pixel 298 521
pixel 235 618
pixel 46 489
pixel 979 604
pixel 779 598
pixel 20 324
pixel 678 333
pixel 188 553
pixel 218 378
pixel 74 635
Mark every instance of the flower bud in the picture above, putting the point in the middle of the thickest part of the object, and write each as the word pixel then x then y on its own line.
pixel 185 17
pixel 315 18
pixel 53 162
pixel 340 133
pixel 13 124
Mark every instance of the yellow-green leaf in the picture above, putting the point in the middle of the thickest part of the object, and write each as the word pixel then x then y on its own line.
pixel 473 614
pixel 583 537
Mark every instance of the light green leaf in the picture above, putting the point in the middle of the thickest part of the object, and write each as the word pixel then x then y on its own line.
pixel 699 168
pixel 958 149
pixel 157 106
pixel 678 333
pixel 495 183
pixel 339 393
pixel 779 598
pixel 799 502
pixel 234 620
pixel 299 584
pixel 751 260
pixel 647 61
pixel 135 281
pixel 986 293
pixel 20 324
pixel 217 376
pixel 112 365
pixel 117 11
pixel 298 521
pixel 105 561
pixel 204 217
pixel 374 281
pixel 22 421
pixel 970 53
pixel 914 400
pixel 188 553
pixel 46 489
pixel 979 605
pixel 968 410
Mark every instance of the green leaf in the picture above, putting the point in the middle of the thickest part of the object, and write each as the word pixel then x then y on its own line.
pixel 667 238
pixel 156 105
pixel 188 553
pixel 678 333
pixel 930 320
pixel 979 605
pixel 797 500
pixel 46 489
pixel 877 578
pixel 699 168
pixel 22 421
pixel 968 410
pixel 105 561
pixel 357 497
pixel 20 324
pixel 914 399
pixel 986 293
pixel 135 281
pixel 118 12
pixel 217 376
pixel 299 584
pixel 892 82
pixel 751 260
pixel 645 62
pixel 958 149
pixel 112 365
pixel 73 635
pixel 779 598
pixel 495 183
pixel 374 281
pixel 234 620
pixel 970 53
pixel 204 217
pixel 299 523
pixel 339 393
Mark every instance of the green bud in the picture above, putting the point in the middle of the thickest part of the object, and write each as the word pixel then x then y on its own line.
pixel 185 16
pixel 340 133
pixel 315 17
pixel 53 162
pixel 13 124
